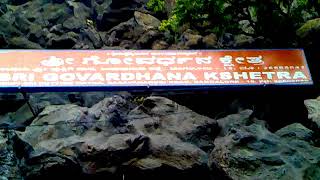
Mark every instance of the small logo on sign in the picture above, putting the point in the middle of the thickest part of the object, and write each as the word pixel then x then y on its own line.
pixel 52 61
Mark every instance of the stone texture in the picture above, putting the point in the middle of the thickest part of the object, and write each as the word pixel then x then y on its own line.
pixel 115 136
pixel 251 151
pixel 313 107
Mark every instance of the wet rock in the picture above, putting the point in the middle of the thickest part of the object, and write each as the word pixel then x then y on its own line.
pixel 252 152
pixel 313 107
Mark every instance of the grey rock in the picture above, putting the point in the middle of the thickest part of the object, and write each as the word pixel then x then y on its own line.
pixel 251 151
pixel 242 40
pixel 313 107
pixel 146 20
pixel 295 131
pixel 94 37
pixel 74 24
pixel 9 162
pixel 158 114
pixel 23 43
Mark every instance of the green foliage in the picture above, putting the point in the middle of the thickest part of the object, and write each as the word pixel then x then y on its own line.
pixel 272 19
pixel 156 5
pixel 171 24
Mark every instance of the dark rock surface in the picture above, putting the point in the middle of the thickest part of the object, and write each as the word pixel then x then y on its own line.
pixel 115 137
pixel 154 137
pixel 246 149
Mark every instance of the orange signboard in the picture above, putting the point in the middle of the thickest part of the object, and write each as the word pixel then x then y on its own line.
pixel 147 68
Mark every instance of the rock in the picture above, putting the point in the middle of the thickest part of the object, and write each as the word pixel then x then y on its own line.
pixel 3 41
pixel 39 101
pixel 309 34
pixel 169 154
pixel 110 13
pixel 146 20
pixel 9 162
pixel 129 30
pixel 158 114
pixel 74 24
pixel 37 34
pixel 191 40
pixel 146 40
pixel 246 27
pixel 313 107
pixel 242 40
pixel 18 119
pixel 226 40
pixel 160 45
pixel 114 138
pixel 94 37
pixel 111 110
pixel 22 42
pixel 80 10
pixel 57 121
pixel 250 151
pixel 88 99
pixel 295 131
pixel 309 28
pixel 66 41
pixel 57 29
pixel 210 41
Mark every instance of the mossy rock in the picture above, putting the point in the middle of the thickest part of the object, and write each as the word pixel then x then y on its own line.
pixel 21 42
pixel 310 27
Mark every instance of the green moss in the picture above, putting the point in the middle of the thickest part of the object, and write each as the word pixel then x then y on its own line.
pixel 310 26
pixel 156 5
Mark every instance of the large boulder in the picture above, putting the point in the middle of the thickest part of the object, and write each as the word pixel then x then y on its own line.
pixel 309 33
pixel 114 138
pixel 158 114
pixel 136 33
pixel 313 107
pixel 246 149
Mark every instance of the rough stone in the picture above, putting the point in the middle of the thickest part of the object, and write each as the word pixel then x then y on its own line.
pixel 210 41
pixel 313 107
pixel 252 152
pixel 146 20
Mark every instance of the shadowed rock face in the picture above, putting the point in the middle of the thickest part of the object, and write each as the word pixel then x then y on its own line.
pixel 116 138
pixel 248 150
pixel 113 138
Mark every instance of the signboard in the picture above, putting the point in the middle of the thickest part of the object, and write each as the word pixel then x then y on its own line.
pixel 149 69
